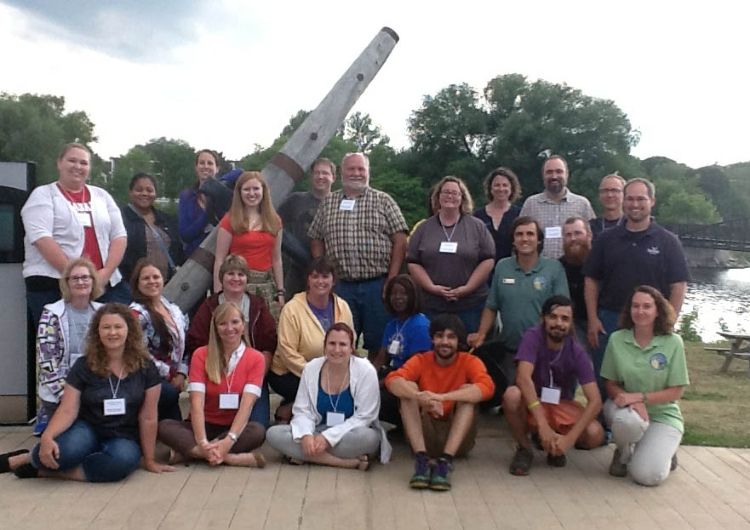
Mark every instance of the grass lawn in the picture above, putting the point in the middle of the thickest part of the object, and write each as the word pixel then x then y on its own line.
pixel 716 406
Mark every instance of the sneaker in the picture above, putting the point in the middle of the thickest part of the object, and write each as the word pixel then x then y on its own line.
pixel 557 460
pixel 674 463
pixel 537 441
pixel 521 462
pixel 440 480
pixel 422 470
pixel 617 468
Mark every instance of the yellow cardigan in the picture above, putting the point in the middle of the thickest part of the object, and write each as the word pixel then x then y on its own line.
pixel 300 336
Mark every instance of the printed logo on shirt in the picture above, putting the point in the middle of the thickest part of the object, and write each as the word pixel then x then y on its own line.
pixel 539 283
pixel 654 251
pixel 658 361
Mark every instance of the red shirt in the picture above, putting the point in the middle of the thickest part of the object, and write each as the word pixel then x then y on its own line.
pixel 432 377
pixel 247 376
pixel 254 245
pixel 81 201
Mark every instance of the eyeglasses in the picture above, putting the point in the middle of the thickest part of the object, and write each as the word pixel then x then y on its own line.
pixel 85 278
pixel 449 193
pixel 613 191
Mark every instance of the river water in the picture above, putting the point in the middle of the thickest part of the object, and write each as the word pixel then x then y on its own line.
pixel 722 299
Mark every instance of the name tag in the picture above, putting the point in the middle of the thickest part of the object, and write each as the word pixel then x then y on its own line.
pixel 553 232
pixel 114 407
pixel 85 219
pixel 509 281
pixel 448 247
pixel 347 205
pixel 394 348
pixel 334 418
pixel 229 401
pixel 550 395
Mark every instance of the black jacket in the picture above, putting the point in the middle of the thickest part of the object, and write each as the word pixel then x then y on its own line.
pixel 136 249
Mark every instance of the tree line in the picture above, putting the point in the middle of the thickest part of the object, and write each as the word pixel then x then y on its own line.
pixel 460 131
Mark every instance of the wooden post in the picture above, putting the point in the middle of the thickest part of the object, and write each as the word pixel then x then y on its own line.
pixel 289 165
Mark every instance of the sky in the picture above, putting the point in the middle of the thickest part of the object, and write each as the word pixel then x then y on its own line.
pixel 229 74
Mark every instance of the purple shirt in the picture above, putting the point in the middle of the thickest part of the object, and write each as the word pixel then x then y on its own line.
pixel 566 366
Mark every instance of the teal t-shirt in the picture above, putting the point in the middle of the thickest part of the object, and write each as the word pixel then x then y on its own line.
pixel 659 365
pixel 519 295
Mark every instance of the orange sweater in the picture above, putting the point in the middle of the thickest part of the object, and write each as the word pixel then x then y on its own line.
pixel 430 376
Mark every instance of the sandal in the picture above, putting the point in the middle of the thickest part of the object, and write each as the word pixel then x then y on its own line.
pixel 260 460
pixel 5 459
pixel 26 471
pixel 293 461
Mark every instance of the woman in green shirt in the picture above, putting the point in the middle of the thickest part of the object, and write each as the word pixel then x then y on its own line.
pixel 645 374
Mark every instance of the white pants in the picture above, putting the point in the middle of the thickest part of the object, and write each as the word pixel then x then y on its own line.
pixel 646 447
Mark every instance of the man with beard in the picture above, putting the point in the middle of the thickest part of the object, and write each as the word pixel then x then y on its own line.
pixel 297 212
pixel 555 204
pixel 363 231
pixel 635 252
pixel 576 248
pixel 550 361
pixel 611 196
pixel 439 391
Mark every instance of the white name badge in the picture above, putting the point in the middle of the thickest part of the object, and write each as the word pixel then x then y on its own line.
pixel 114 407
pixel 394 347
pixel 229 401
pixel 448 247
pixel 553 232
pixel 509 281
pixel 334 418
pixel 550 395
pixel 85 219
pixel 347 205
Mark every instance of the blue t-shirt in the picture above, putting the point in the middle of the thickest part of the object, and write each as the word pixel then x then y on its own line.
pixel 413 335
pixel 324 316
pixel 343 402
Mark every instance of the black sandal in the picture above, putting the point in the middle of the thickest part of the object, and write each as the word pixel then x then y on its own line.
pixel 5 459
pixel 26 471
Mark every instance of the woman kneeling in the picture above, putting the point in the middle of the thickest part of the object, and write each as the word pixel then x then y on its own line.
pixel 335 420
pixel 225 381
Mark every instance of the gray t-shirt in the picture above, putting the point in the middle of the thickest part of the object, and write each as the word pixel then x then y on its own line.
pixel 78 326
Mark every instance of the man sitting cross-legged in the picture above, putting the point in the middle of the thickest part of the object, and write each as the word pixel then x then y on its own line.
pixel 550 361
pixel 438 391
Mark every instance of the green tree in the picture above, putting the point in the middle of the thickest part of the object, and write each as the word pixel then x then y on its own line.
pixel 35 127
pixel 360 130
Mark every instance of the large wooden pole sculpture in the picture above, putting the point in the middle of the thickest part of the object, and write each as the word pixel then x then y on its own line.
pixel 289 165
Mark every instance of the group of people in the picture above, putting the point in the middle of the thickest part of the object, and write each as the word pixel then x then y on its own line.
pixel 503 305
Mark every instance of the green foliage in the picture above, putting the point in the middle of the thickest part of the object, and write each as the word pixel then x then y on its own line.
pixel 35 127
pixel 679 195
pixel 406 190
pixel 360 130
pixel 687 329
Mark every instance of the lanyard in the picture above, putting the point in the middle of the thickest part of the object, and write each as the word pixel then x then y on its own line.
pixel 116 388
pixel 233 371
pixel 398 333
pixel 338 396
pixel 447 236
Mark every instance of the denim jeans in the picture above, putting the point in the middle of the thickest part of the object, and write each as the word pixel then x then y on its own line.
pixel 261 412
pixel 609 320
pixel 365 299
pixel 102 459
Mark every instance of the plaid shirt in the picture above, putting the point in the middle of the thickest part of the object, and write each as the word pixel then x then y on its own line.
pixel 358 240
pixel 549 213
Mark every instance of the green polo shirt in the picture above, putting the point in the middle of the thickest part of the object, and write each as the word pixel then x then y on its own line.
pixel 519 295
pixel 659 365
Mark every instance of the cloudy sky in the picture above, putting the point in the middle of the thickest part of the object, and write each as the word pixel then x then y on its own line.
pixel 228 74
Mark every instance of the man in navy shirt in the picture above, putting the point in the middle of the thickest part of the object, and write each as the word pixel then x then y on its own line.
pixel 636 252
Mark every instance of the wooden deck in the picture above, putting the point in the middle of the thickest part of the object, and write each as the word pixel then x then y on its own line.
pixel 709 490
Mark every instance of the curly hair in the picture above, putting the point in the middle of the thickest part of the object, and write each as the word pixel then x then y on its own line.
pixel 665 315
pixel 515 185
pixel 467 203
pixel 134 356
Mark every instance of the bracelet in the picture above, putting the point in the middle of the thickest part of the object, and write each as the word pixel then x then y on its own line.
pixel 232 437
pixel 533 405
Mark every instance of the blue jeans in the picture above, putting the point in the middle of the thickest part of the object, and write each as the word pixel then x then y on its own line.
pixel 169 402
pixel 261 412
pixel 469 317
pixel 120 293
pixel 365 299
pixel 609 320
pixel 102 459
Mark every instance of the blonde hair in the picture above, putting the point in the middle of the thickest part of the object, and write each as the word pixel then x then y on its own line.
pixel 467 203
pixel 238 218
pixel 216 363
pixel 96 289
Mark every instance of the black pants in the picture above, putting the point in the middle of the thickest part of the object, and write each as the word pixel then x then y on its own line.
pixel 500 366
pixel 284 385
